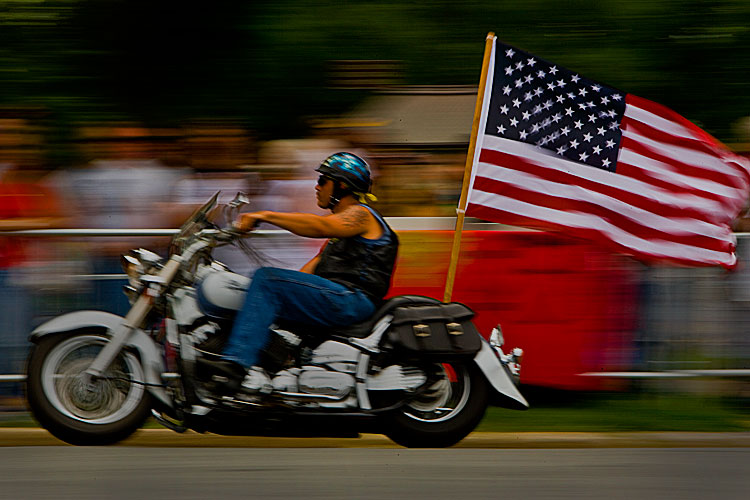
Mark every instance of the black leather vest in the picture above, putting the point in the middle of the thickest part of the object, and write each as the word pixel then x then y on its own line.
pixel 361 263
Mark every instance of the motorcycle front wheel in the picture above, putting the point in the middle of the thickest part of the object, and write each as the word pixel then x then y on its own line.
pixel 104 410
pixel 444 414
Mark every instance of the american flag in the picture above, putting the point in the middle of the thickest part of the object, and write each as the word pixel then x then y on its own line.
pixel 557 151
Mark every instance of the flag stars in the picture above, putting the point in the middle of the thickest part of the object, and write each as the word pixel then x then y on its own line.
pixel 569 111
pixel 616 97
pixel 587 137
pixel 520 65
pixel 528 78
pixel 519 82
pixel 575 78
pixel 531 62
pixel 596 88
pixel 597 150
pixel 501 129
pixel 565 131
pixel 514 121
pixel 605 162
pixel 551 86
pixel 574 144
pixel 510 53
pixel 601 131
pixel 538 91
pixel 506 90
pixel 592 118
pixel 561 150
pixel 612 125
pixel 560 83
pixel 523 134
pixel 610 144
pixel 583 156
pixel 560 99
pixel 541 74
pixel 578 124
pixel 553 70
pixel 516 103
pixel 526 115
pixel 504 109
pixel 528 96
pixel 582 91
pixel 508 70
pixel 605 100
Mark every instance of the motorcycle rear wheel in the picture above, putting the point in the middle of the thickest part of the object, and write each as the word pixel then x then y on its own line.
pixel 106 411
pixel 445 414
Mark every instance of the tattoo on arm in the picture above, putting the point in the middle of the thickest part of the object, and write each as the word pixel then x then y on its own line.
pixel 354 217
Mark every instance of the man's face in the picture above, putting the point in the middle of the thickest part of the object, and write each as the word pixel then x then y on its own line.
pixel 323 191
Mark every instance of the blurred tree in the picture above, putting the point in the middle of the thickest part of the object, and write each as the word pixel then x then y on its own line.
pixel 265 62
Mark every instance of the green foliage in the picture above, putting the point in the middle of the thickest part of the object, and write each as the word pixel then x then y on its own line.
pixel 266 62
pixel 622 413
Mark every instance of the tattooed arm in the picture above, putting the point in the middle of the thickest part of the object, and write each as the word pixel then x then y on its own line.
pixel 354 220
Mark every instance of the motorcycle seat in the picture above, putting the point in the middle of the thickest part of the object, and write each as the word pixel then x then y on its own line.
pixel 364 328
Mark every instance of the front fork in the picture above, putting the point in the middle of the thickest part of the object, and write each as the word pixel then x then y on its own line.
pixel 133 319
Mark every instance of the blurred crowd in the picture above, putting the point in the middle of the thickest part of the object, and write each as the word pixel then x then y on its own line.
pixel 124 175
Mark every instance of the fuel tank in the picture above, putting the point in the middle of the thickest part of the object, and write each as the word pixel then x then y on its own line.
pixel 221 294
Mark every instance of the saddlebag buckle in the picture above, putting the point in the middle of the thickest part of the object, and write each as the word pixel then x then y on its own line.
pixel 421 330
pixel 454 329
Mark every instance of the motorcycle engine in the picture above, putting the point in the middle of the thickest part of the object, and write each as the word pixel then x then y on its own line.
pixel 327 372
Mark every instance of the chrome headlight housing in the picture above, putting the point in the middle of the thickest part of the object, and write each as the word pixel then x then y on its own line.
pixel 136 264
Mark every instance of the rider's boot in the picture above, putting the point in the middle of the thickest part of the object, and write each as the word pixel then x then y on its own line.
pixel 257 381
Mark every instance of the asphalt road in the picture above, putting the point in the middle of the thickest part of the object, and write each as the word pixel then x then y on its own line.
pixel 62 472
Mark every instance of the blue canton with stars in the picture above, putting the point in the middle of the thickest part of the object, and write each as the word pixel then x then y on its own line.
pixel 540 103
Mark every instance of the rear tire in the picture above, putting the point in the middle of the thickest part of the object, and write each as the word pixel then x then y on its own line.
pixel 444 415
pixel 108 410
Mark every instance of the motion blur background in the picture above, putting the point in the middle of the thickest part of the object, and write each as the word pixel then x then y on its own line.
pixel 126 114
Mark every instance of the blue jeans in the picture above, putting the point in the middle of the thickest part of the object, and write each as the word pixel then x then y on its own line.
pixel 294 296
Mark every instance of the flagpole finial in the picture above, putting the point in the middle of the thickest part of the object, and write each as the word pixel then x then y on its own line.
pixel 490 35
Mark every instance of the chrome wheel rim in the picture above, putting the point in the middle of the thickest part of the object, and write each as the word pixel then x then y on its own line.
pixel 105 400
pixel 444 399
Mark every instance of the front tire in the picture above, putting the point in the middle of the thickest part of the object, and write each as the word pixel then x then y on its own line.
pixel 446 413
pixel 106 411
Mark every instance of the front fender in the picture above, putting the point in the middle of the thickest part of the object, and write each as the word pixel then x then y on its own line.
pixel 150 356
pixel 498 377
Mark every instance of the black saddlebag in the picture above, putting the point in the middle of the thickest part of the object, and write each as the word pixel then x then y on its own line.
pixel 434 332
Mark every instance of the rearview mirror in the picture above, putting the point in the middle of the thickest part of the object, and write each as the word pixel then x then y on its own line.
pixel 239 199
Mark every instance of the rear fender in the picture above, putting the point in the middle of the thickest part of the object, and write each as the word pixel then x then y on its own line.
pixel 498 377
pixel 151 358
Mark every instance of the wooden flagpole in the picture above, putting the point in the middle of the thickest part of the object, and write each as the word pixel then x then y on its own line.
pixel 460 211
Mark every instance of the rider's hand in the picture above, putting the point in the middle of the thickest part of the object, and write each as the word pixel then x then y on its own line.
pixel 248 221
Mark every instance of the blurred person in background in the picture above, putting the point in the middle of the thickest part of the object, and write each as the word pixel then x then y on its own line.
pixel 123 186
pixel 25 203
pixel 342 285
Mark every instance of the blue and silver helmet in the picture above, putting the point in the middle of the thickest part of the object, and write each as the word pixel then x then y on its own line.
pixel 349 169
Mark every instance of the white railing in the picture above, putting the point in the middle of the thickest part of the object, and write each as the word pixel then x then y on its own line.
pixel 397 223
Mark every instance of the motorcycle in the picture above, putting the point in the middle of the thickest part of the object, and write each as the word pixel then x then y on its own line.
pixel 416 371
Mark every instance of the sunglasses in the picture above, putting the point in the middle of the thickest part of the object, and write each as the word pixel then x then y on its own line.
pixel 323 179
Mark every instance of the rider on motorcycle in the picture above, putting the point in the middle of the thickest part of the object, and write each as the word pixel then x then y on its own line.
pixel 341 285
